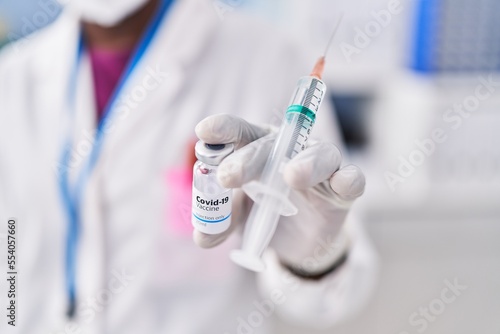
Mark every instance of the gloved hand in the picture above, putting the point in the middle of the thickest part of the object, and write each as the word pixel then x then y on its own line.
pixel 321 190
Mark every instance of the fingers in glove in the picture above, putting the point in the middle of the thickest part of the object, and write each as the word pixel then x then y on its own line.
pixel 312 166
pixel 224 128
pixel 245 164
pixel 241 208
pixel 348 182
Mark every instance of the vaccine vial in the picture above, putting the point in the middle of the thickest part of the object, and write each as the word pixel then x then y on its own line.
pixel 212 203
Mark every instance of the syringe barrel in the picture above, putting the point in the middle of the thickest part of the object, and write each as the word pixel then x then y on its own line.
pixel 295 129
pixel 271 192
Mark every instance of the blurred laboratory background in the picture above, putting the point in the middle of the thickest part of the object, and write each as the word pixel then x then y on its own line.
pixel 416 87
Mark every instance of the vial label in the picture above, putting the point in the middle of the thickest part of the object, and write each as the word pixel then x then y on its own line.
pixel 212 213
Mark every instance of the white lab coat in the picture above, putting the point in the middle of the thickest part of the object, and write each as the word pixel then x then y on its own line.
pixel 213 66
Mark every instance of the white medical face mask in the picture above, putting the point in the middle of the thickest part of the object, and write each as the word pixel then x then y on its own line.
pixel 104 12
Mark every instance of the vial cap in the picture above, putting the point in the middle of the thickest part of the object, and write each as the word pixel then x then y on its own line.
pixel 212 154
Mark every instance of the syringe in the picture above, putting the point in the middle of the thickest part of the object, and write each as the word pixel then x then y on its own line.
pixel 270 193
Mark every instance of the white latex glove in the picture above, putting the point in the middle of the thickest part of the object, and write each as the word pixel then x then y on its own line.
pixel 321 190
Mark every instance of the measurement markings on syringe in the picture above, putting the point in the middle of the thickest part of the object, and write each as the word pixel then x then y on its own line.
pixel 299 136
pixel 311 93
pixel 306 120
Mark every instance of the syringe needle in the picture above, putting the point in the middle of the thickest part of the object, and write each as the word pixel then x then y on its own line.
pixel 320 64
pixel 333 35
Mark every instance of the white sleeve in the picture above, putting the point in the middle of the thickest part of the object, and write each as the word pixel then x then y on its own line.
pixel 335 297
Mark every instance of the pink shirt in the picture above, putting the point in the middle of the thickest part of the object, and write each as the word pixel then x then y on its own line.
pixel 107 68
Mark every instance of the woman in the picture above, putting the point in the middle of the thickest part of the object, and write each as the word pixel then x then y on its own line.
pixel 97 115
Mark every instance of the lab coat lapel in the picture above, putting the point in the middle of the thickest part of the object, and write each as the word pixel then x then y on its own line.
pixel 91 256
pixel 78 121
pixel 58 122
pixel 147 95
